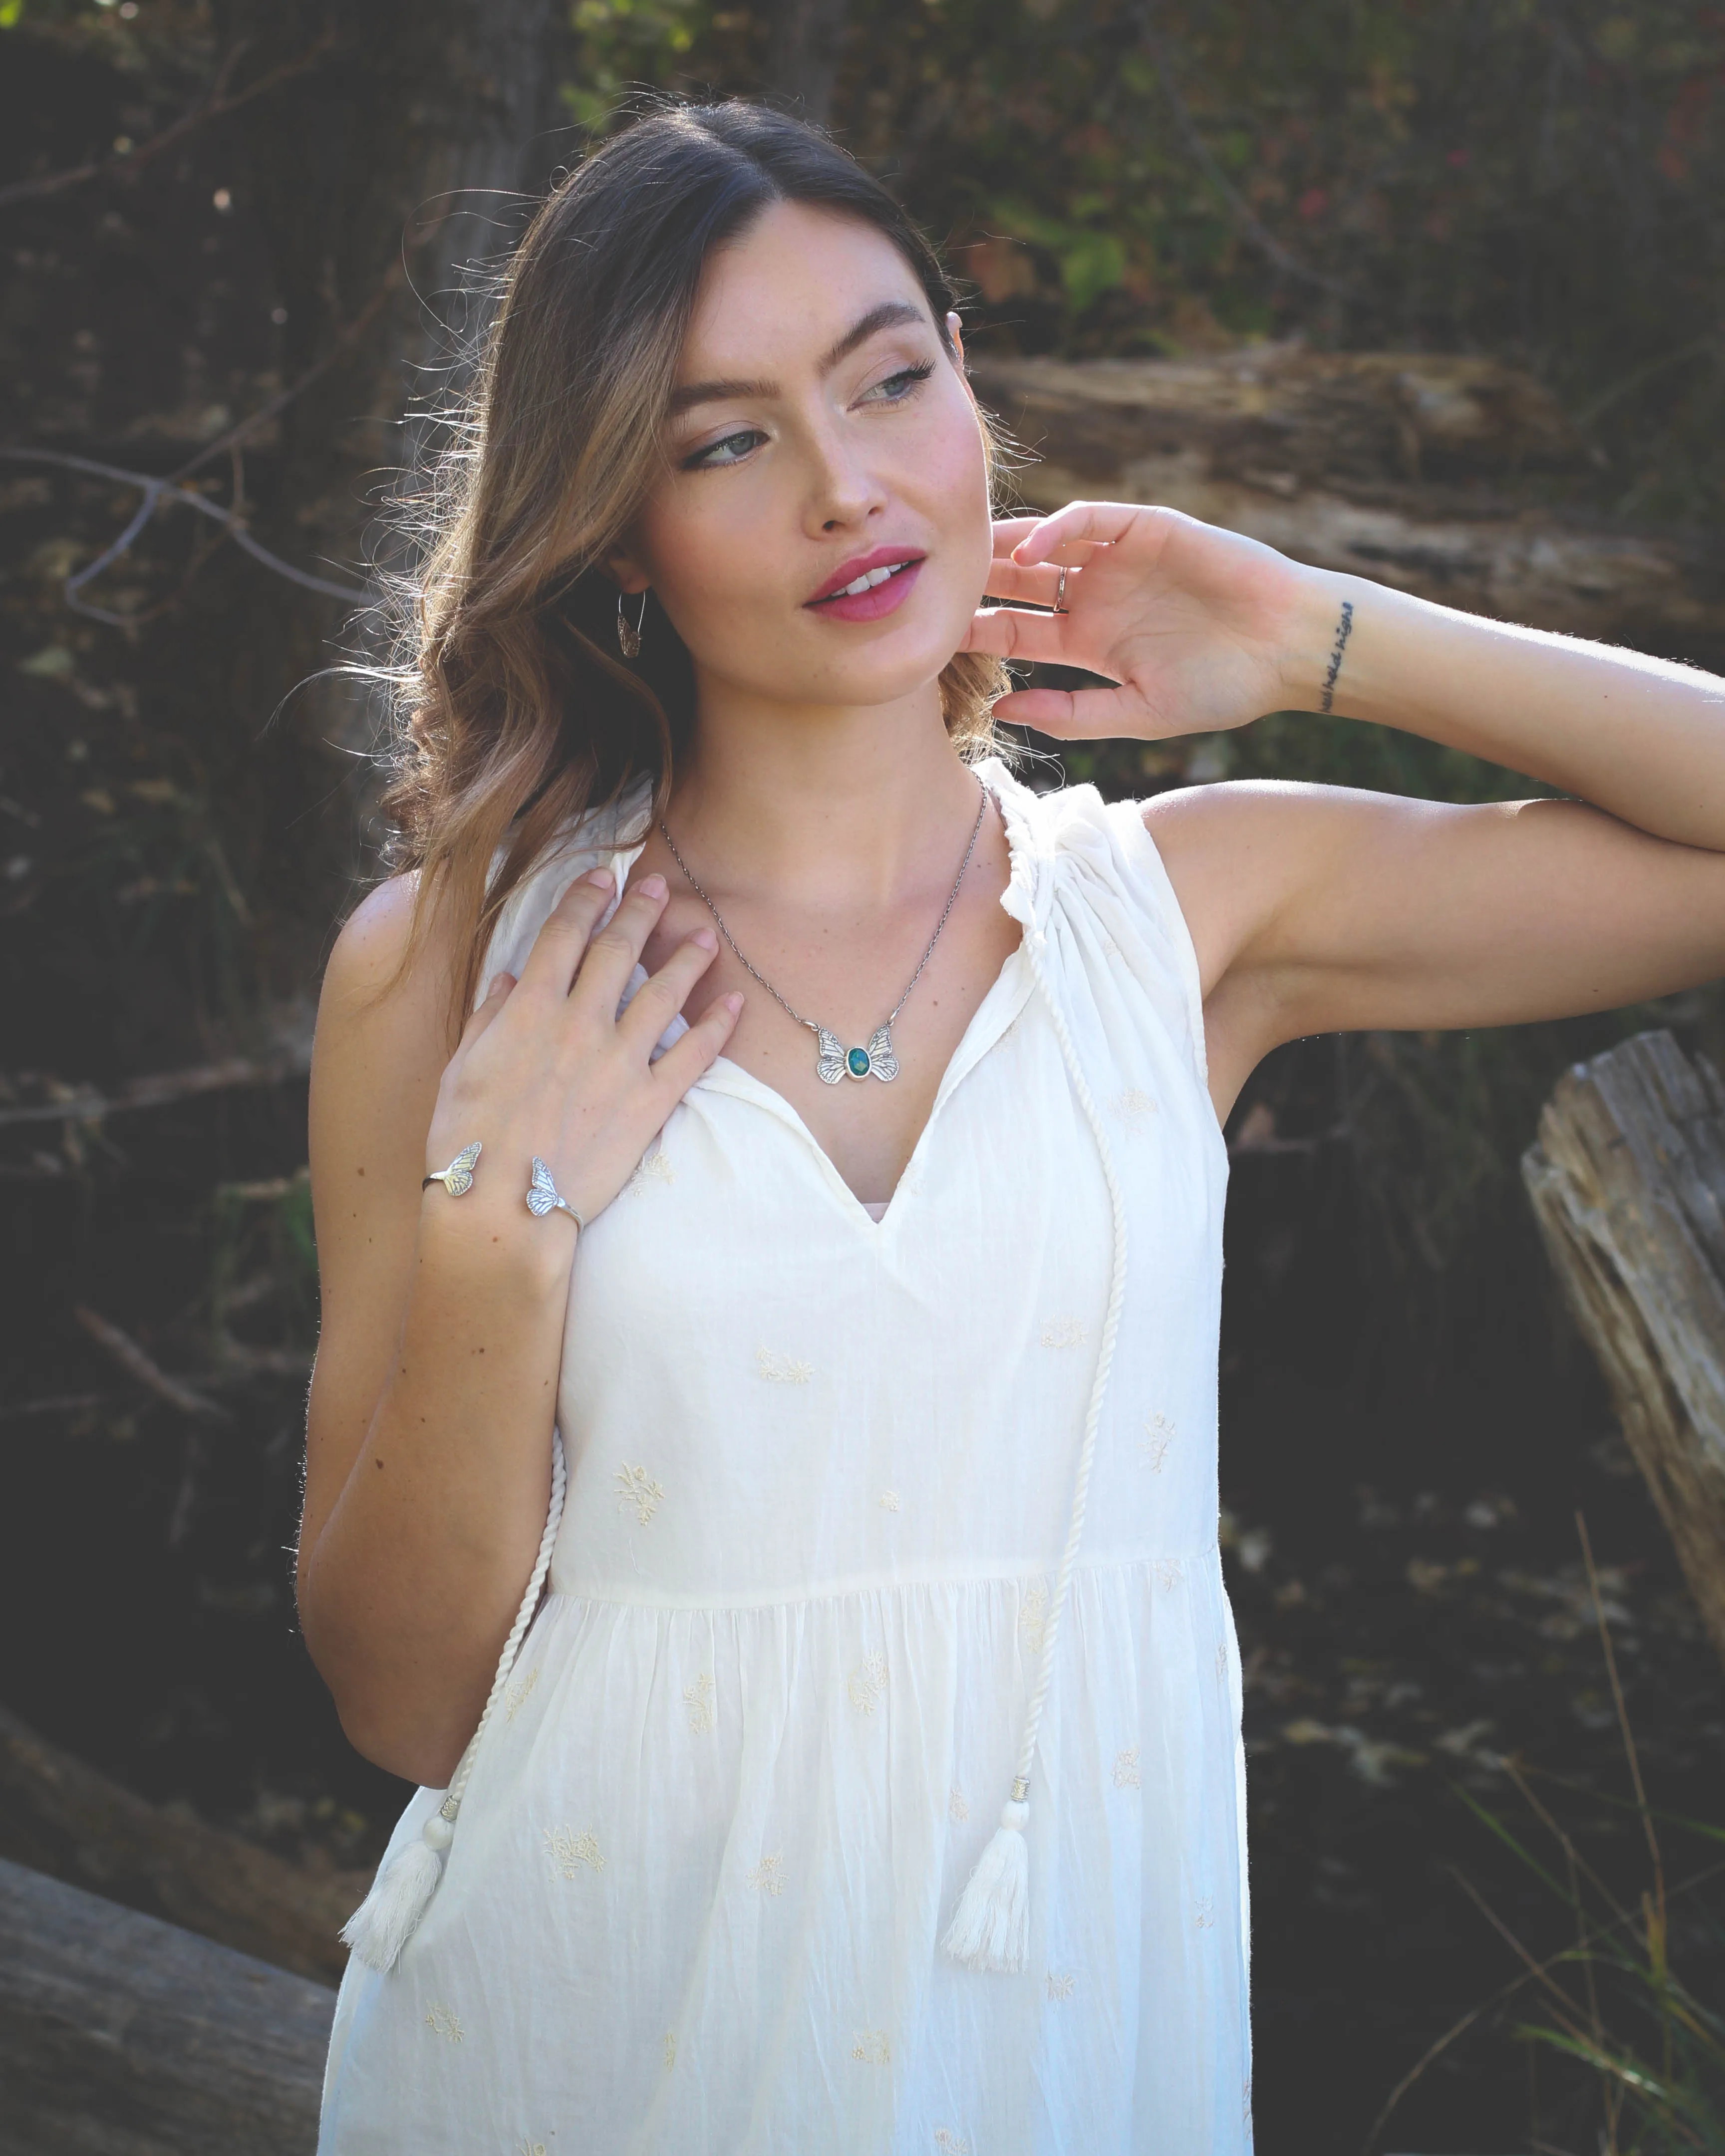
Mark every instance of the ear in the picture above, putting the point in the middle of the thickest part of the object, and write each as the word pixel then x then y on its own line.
pixel 956 331
pixel 626 572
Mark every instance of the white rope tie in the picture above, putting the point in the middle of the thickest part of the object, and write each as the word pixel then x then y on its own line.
pixel 990 1929
pixel 389 1915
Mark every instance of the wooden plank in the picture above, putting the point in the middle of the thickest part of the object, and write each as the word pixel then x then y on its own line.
pixel 1628 1185
pixel 60 1816
pixel 121 2035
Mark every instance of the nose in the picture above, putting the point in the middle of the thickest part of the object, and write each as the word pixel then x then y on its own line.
pixel 843 487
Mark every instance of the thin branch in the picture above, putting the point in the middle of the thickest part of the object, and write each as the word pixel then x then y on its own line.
pixel 216 106
pixel 121 1349
pixel 1243 215
pixel 156 492
pixel 87 1105
pixel 59 1404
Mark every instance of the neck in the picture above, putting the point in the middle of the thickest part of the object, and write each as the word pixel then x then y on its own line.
pixel 820 803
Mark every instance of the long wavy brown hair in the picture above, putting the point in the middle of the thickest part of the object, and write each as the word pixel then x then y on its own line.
pixel 511 711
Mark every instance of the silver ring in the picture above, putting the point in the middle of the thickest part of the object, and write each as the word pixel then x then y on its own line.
pixel 1059 604
pixel 457 1178
pixel 544 1197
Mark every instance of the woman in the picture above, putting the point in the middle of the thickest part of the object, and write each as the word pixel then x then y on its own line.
pixel 769 1179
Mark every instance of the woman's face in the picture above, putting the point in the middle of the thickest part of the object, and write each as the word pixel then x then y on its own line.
pixel 820 433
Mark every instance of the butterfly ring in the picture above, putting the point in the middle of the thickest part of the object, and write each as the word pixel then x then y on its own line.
pixel 544 1197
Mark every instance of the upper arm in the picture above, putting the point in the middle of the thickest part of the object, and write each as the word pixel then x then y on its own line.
pixel 377 1057
pixel 1320 909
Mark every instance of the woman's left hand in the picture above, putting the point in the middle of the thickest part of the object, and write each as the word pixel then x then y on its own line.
pixel 1197 626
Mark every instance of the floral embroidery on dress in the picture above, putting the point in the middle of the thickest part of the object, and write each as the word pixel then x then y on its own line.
pixel 1125 1769
pixel 671 2049
pixel 782 1369
pixel 868 1680
pixel 526 2148
pixel 1134 1106
pixel 636 1486
pixel 950 2143
pixel 767 1876
pixel 698 1698
pixel 570 1851
pixel 1159 1436
pixel 1222 1660
pixel 653 1167
pixel 873 2047
pixel 958 1805
pixel 442 2020
pixel 1061 1984
pixel 1203 1913
pixel 1064 1332
pixel 516 1696
pixel 1033 1615
pixel 1170 1571
pixel 888 1501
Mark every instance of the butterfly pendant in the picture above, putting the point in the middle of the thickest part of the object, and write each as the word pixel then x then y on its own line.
pixel 457 1178
pixel 543 1196
pixel 835 1061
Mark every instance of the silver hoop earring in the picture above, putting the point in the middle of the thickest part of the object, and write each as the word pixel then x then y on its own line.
pixel 628 632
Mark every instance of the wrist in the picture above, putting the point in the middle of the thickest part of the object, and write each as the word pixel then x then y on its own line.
pixel 489 1236
pixel 1317 659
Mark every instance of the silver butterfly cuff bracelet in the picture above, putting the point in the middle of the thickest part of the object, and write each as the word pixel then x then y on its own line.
pixel 543 1194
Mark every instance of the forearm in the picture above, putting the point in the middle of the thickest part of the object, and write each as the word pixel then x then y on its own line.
pixel 418 1573
pixel 1642 738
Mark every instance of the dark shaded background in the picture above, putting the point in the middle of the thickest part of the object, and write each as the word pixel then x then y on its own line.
pixel 1408 1425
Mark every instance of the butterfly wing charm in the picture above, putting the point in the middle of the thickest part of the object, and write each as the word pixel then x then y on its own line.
pixel 542 1195
pixel 830 1061
pixel 882 1062
pixel 457 1178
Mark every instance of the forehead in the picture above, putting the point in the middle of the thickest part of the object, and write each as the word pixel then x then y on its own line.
pixel 788 288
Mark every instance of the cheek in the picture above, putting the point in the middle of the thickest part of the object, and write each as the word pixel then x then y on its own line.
pixel 702 556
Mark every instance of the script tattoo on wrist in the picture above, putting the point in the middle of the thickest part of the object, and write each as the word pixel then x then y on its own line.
pixel 1344 629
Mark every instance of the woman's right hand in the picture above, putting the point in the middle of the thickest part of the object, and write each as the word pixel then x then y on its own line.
pixel 545 1066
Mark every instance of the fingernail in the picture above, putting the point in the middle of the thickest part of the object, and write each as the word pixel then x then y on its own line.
pixel 600 879
pixel 653 886
pixel 733 1002
pixel 706 939
pixel 497 981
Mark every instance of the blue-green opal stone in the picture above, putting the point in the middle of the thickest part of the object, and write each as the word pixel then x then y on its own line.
pixel 858 1062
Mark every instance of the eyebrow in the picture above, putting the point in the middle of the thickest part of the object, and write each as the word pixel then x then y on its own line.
pixel 890 314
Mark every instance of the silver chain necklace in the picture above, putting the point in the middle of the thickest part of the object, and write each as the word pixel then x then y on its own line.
pixel 832 1059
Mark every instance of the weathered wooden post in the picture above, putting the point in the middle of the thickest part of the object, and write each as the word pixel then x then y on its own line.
pixel 1627 1184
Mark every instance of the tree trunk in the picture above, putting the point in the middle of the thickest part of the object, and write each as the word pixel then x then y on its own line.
pixel 120 2035
pixel 1627 1184
pixel 1431 473
pixel 803 54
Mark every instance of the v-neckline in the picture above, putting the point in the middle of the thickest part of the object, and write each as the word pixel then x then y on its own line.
pixel 1005 997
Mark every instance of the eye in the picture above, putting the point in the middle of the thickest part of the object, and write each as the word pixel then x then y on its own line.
pixel 896 388
pixel 728 449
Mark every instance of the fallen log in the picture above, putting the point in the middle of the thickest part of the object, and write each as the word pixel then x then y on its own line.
pixel 1628 1185
pixel 1433 473
pixel 59 1816
pixel 120 2035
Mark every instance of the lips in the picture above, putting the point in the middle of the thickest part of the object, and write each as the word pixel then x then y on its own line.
pixel 876 566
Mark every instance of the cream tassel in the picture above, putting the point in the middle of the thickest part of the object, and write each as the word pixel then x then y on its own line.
pixel 990 1930
pixel 401 1893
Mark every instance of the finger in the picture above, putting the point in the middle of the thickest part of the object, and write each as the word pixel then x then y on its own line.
pixel 495 997
pixel 1040 585
pixel 681 1064
pixel 662 995
pixel 613 952
pixel 1009 635
pixel 1080 714
pixel 1103 523
pixel 1010 533
pixel 556 951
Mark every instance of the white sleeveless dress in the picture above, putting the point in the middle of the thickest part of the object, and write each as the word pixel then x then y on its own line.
pixel 820 1475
